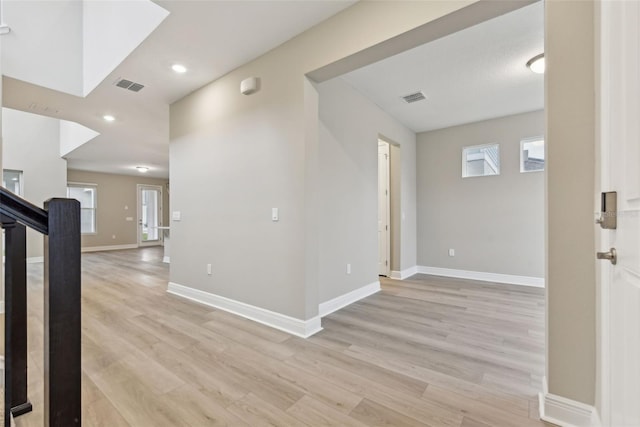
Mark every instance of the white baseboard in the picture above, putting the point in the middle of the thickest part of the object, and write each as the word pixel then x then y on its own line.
pixel 291 325
pixel 35 259
pixel 337 303
pixel 401 275
pixel 109 248
pixel 482 276
pixel 565 412
pixel 166 260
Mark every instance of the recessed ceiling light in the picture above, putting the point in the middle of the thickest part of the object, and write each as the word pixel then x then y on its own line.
pixel 178 68
pixel 142 169
pixel 536 64
pixel 108 117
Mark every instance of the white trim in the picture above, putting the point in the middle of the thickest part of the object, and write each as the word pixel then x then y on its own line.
pixel 566 412
pixel 401 275
pixel 1 307
pixel 344 300
pixel 109 248
pixel 485 277
pixel 166 260
pixel 293 326
pixel 35 259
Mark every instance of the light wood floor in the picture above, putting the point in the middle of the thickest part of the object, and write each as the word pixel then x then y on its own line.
pixel 426 351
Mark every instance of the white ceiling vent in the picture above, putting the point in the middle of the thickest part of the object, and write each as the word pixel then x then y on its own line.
pixel 128 84
pixel 414 97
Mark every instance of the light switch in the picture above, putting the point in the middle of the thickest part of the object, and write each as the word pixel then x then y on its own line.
pixel 176 216
pixel 274 214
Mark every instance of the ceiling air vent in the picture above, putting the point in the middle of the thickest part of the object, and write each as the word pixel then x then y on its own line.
pixel 128 84
pixel 414 97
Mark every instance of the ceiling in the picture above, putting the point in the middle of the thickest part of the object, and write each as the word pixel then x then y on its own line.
pixel 475 74
pixel 472 75
pixel 210 38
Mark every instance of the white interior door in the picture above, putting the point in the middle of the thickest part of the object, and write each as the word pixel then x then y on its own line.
pixel 384 226
pixel 620 172
pixel 149 215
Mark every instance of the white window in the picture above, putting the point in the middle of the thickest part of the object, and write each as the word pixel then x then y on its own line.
pixel 12 181
pixel 87 195
pixel 481 160
pixel 532 155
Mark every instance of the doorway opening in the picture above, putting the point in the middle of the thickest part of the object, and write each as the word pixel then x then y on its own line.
pixel 149 215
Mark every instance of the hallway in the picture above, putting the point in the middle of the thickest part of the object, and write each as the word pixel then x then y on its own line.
pixel 426 351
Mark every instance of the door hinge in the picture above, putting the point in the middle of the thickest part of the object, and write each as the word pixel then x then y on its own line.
pixel 386 192
pixel 386 227
pixel 386 263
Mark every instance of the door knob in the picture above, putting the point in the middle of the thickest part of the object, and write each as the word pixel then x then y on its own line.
pixel 611 255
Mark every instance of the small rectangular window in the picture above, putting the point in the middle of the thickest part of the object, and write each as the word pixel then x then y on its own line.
pixel 481 160
pixel 12 181
pixel 87 195
pixel 532 155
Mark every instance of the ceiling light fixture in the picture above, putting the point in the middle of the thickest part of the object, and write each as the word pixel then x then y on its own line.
pixel 536 64
pixel 108 117
pixel 178 68
pixel 142 169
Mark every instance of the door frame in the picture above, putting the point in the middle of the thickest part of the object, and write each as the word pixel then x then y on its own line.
pixel 139 188
pixel 607 33
pixel 382 142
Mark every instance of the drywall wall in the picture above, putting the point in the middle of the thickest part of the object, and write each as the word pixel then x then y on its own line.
pixel 117 201
pixel 235 157
pixel 31 144
pixel 350 126
pixel 495 224
pixel 44 46
pixel 570 110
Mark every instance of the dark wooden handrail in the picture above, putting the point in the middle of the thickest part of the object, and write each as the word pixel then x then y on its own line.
pixel 23 212
pixel 59 221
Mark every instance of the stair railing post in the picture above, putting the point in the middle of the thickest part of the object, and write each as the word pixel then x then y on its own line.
pixel 15 334
pixel 62 314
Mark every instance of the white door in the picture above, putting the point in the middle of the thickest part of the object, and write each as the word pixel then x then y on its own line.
pixel 620 172
pixel 384 226
pixel 149 215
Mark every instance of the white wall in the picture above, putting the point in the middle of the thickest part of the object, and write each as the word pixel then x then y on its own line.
pixel 31 144
pixel 44 46
pixel 494 223
pixel 350 126
pixel 73 135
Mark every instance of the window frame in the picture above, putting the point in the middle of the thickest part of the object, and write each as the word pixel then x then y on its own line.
pixel 528 140
pixel 20 180
pixel 95 204
pixel 465 161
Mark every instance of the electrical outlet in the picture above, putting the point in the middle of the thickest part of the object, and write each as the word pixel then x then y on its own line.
pixel 348 268
pixel 452 252
pixel 209 269
pixel 113 236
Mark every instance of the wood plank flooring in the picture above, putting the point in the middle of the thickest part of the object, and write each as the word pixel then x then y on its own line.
pixel 423 352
